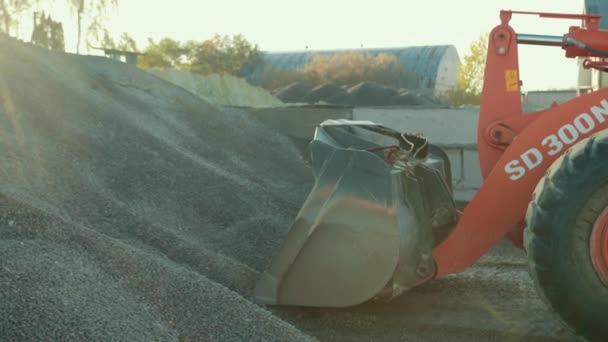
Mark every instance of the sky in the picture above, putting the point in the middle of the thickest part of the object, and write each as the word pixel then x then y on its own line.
pixel 287 25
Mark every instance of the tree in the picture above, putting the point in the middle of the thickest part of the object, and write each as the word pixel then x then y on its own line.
pixel 47 33
pixel 167 53
pixel 6 17
pixel 125 43
pixel 345 68
pixel 10 10
pixel 350 68
pixel 218 55
pixel 78 6
pixel 222 55
pixel 97 9
pixel 470 74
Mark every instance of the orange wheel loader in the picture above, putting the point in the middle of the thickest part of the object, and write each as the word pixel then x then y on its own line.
pixel 381 218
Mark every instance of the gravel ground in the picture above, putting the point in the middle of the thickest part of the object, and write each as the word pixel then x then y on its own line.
pixel 494 300
pixel 131 210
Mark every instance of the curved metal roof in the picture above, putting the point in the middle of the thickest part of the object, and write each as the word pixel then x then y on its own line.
pixel 423 61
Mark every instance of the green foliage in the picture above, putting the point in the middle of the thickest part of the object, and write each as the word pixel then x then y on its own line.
pixel 94 12
pixel 470 74
pixel 222 55
pixel 167 53
pixel 218 55
pixel 47 33
pixel 125 43
pixel 10 10
pixel 347 68
pixel 97 11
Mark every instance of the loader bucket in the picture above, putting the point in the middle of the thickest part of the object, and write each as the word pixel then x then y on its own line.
pixel 366 231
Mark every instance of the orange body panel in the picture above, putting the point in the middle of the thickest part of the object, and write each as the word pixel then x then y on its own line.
pixel 500 205
pixel 515 150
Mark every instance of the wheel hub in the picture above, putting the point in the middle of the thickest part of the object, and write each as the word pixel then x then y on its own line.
pixel 599 246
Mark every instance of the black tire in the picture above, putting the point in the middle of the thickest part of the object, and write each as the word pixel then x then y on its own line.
pixel 559 222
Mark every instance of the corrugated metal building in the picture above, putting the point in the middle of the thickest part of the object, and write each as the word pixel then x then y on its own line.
pixel 430 69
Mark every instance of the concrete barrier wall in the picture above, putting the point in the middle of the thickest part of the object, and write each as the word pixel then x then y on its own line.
pixel 454 130
pixel 441 126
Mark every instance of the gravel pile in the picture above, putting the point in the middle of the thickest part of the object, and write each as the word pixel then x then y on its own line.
pixel 225 90
pixel 293 93
pixel 363 94
pixel 132 210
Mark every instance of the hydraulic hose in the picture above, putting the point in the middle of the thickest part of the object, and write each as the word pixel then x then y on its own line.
pixel 573 41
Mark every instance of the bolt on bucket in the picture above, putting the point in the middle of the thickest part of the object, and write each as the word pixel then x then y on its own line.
pixel 380 203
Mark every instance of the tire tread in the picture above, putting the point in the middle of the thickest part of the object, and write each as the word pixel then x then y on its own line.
pixel 559 189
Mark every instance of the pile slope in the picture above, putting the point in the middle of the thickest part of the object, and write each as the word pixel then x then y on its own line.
pixel 132 210
pixel 224 90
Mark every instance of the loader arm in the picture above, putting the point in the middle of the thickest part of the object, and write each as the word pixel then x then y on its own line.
pixel 516 148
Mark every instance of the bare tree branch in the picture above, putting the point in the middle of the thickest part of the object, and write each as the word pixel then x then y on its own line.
pixel 6 17
pixel 97 8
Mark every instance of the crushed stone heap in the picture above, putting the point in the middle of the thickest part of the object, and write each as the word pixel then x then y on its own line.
pixel 220 89
pixel 131 209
